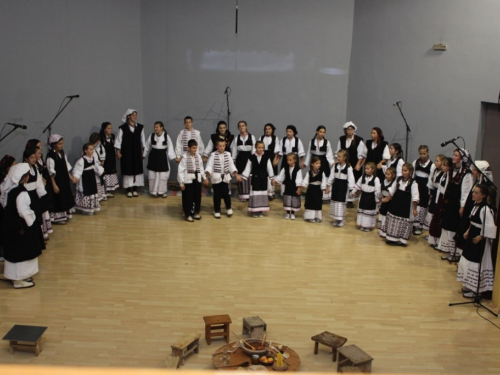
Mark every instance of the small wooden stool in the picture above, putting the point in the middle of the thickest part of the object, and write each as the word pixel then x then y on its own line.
pixel 353 356
pixel 217 323
pixel 25 338
pixel 254 326
pixel 329 339
pixel 185 346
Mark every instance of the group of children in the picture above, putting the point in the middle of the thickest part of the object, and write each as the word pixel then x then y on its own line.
pixel 444 197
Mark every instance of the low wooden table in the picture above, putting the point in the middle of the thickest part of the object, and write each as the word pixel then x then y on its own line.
pixel 329 339
pixel 219 324
pixel 183 347
pixel 25 338
pixel 254 326
pixel 239 356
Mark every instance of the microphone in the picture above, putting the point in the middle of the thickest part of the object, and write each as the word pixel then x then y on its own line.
pixel 17 125
pixel 396 104
pixel 73 96
pixel 225 92
pixel 448 142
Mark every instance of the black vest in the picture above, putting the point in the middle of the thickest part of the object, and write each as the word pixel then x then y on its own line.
pixel 290 186
pixel 131 150
pixel 295 147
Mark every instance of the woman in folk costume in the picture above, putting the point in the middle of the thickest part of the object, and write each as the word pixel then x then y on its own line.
pixel 85 172
pixel 321 147
pixel 59 167
pixel 35 187
pixel 221 133
pixel 403 209
pixel 455 196
pixel 476 266
pixel 129 147
pixel 95 141
pixel 21 231
pixel 485 177
pixel 423 170
pixel 377 151
pixel 259 166
pixel 271 149
pixel 342 182
pixel 5 164
pixel 441 184
pixel 160 148
pixel 243 148
pixel 106 153
pixel 356 148
pixel 46 200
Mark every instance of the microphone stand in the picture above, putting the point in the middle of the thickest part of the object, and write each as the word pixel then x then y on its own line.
pixel 6 135
pixel 407 128
pixel 228 92
pixel 49 126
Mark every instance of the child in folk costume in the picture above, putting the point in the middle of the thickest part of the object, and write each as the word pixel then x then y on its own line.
pixel 219 168
pixel 35 188
pixel 259 166
pixel 46 200
pixel 185 135
pixel 21 232
pixel 369 187
pixel 321 147
pixel 315 182
pixel 441 183
pixel 483 175
pixel 377 151
pixel 291 180
pixel 423 169
pixel 222 134
pixel 95 141
pixel 342 182
pixel 59 167
pixel 85 171
pixel 271 149
pixel 292 144
pixel 476 266
pixel 106 152
pixel 396 160
pixel 160 148
pixel 356 149
pixel 190 175
pixel 403 208
pixel 390 179
pixel 243 148
pixel 455 196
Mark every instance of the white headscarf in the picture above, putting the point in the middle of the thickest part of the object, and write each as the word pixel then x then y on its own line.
pixel 350 123
pixel 484 166
pixel 129 112
pixel 15 174
pixel 54 138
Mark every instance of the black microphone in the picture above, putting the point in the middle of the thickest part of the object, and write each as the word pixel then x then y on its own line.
pixel 225 92
pixel 448 142
pixel 17 125
pixel 73 96
pixel 396 104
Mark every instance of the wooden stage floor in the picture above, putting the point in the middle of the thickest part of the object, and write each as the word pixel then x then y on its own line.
pixel 118 288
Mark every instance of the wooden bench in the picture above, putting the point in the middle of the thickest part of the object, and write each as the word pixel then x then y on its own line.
pixel 185 346
pixel 329 339
pixel 352 356
pixel 219 324
pixel 25 338
pixel 254 326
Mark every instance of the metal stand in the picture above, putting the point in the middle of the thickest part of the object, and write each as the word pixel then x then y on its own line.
pixel 398 104
pixel 228 92
pixel 49 126
pixel 6 135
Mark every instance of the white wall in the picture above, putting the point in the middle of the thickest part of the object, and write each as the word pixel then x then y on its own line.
pixel 51 49
pixel 392 59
